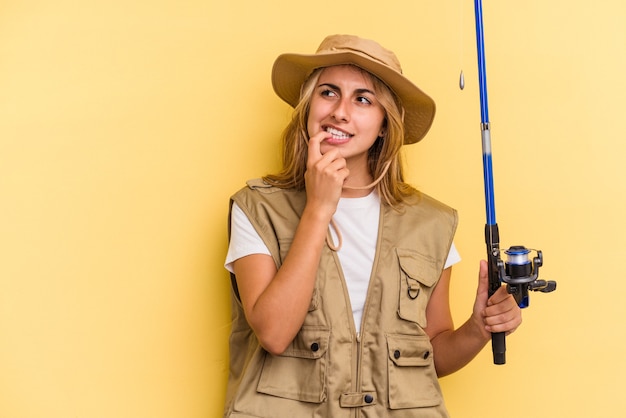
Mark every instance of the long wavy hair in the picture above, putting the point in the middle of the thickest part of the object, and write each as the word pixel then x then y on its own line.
pixel 392 189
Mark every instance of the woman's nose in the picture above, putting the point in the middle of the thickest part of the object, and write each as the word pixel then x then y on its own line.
pixel 341 112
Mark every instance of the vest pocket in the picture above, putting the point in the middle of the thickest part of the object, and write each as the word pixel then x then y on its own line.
pixel 412 376
pixel 418 274
pixel 300 372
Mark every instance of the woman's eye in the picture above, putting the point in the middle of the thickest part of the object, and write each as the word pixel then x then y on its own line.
pixel 328 93
pixel 363 100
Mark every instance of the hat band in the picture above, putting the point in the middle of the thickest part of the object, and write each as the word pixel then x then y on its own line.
pixel 335 50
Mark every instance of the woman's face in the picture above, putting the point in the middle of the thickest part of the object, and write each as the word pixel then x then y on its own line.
pixel 344 104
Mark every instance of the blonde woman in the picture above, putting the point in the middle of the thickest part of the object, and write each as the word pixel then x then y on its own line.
pixel 341 270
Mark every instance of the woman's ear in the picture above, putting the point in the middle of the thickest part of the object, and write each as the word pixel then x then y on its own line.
pixel 383 129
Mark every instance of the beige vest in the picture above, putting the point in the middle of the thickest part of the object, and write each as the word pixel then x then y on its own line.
pixel 331 369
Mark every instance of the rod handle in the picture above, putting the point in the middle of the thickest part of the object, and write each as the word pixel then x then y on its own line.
pixel 498 346
pixel 492 239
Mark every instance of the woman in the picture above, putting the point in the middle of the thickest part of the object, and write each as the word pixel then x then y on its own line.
pixel 341 270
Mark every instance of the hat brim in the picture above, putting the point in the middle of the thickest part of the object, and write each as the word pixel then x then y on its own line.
pixel 290 71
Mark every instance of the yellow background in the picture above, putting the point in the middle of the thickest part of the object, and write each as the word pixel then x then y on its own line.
pixel 126 125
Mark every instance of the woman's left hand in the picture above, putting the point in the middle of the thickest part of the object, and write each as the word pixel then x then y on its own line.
pixel 500 312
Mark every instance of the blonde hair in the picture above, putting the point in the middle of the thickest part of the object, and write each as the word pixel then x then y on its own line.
pixel 391 188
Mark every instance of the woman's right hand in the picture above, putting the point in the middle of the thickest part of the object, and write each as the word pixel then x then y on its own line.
pixel 325 175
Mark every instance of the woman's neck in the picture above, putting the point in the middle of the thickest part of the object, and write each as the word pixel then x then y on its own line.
pixel 358 180
pixel 359 177
pixel 352 193
pixel 360 183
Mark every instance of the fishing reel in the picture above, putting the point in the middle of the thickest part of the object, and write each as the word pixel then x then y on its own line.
pixel 521 274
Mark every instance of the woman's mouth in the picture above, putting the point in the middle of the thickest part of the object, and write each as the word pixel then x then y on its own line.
pixel 338 136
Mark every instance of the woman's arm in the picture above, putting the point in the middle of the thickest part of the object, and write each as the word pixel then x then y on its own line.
pixel 454 348
pixel 276 301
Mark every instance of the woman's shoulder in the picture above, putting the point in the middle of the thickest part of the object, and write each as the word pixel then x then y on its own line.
pixel 260 185
pixel 419 201
pixel 258 190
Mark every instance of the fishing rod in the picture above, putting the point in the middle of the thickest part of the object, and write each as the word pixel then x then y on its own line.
pixel 518 272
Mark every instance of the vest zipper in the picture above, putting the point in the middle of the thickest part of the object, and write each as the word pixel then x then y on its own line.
pixel 357 411
pixel 364 317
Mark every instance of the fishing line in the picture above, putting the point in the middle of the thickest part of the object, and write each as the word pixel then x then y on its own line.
pixel 461 42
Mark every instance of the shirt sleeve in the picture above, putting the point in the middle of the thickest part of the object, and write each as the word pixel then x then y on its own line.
pixel 244 240
pixel 453 257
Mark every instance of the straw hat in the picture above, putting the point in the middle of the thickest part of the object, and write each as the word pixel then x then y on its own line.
pixel 290 71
